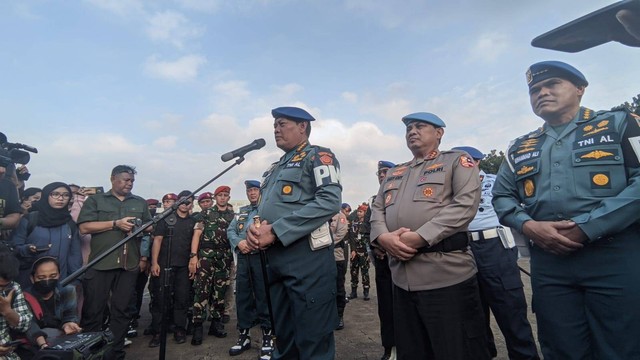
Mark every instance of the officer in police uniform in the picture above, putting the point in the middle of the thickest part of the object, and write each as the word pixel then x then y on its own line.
pixel 501 288
pixel 420 217
pixel 300 193
pixel 251 301
pixel 573 188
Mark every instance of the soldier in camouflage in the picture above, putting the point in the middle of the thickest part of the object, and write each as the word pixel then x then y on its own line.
pixel 359 243
pixel 211 256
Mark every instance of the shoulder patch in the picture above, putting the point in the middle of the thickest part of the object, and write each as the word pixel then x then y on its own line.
pixel 466 161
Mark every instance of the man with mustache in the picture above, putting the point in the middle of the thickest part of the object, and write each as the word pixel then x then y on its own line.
pixel 572 187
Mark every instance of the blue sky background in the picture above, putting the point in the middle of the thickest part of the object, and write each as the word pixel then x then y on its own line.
pixel 169 86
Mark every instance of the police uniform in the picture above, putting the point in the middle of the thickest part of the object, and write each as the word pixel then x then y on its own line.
pixel 251 300
pixel 215 260
pixel 586 303
pixel 501 288
pixel 300 193
pixel 437 310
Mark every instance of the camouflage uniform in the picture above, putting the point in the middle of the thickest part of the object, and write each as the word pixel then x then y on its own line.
pixel 359 242
pixel 215 259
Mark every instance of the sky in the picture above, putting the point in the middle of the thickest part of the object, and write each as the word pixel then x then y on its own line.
pixel 170 85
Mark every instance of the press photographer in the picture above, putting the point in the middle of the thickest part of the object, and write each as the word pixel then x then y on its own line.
pixel 16 160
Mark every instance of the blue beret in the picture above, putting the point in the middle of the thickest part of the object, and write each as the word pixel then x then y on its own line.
pixel 251 184
pixel 475 153
pixel 549 69
pixel 291 113
pixel 385 164
pixel 425 117
pixel 345 205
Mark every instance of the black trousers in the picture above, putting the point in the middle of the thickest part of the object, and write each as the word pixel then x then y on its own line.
pixel 440 324
pixel 341 295
pixel 180 286
pixel 384 290
pixel 100 286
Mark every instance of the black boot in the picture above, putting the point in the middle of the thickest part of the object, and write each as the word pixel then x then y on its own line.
pixel 354 293
pixel 243 343
pixel 267 344
pixel 197 334
pixel 217 329
pixel 366 297
pixel 340 323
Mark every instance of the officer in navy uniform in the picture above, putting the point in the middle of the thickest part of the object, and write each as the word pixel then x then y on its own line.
pixel 384 284
pixel 573 188
pixel 501 287
pixel 251 300
pixel 300 193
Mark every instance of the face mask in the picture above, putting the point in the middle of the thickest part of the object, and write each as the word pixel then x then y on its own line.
pixel 153 212
pixel 44 287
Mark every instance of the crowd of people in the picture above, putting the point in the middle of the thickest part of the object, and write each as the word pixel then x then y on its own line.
pixel 439 232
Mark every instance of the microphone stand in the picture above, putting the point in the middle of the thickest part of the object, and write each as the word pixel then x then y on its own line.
pixel 134 234
pixel 167 287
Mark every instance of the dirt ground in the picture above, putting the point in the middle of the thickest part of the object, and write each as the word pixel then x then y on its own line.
pixel 360 339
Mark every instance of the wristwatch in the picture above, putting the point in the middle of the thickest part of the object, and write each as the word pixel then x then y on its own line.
pixel 192 255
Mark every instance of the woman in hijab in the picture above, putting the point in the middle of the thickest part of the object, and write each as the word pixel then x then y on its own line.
pixel 48 230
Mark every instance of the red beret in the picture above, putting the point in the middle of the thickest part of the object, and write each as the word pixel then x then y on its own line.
pixel 205 195
pixel 222 188
pixel 170 196
pixel 152 201
pixel 363 207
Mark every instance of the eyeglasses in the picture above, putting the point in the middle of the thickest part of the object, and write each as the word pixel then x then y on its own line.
pixel 58 195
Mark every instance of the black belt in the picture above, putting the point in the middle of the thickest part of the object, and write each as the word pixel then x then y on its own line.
pixel 457 241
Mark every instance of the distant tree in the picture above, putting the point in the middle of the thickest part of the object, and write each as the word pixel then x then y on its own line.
pixel 491 163
pixel 634 106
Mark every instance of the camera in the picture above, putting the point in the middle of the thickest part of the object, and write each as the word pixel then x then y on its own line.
pixel 13 153
pixel 136 222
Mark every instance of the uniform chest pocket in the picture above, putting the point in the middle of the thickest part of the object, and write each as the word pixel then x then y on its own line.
pixel 526 180
pixel 600 171
pixel 288 185
pixel 242 219
pixel 430 187
pixel 390 192
pixel 135 211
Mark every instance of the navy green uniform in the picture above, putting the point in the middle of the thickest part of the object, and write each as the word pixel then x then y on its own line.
pixel 358 241
pixel 214 260
pixel 251 298
pixel 299 193
pixel 586 303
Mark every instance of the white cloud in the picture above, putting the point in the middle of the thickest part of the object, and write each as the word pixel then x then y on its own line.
pixel 122 8
pixel 489 47
pixel 166 142
pixel 183 69
pixel 172 27
pixel 235 89
pixel 350 97
pixel 207 6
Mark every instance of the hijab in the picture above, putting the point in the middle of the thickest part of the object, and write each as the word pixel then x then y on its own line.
pixel 47 216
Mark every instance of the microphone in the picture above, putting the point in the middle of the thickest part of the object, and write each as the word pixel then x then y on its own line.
pixel 255 145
